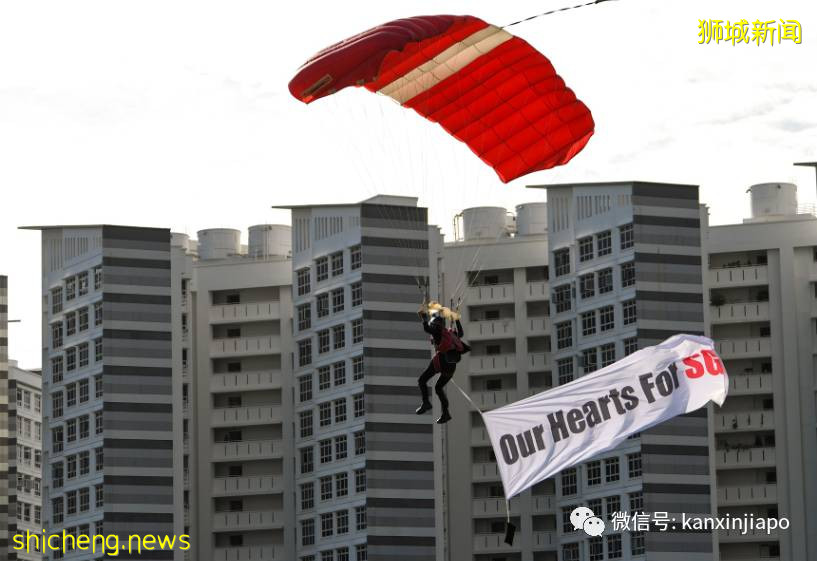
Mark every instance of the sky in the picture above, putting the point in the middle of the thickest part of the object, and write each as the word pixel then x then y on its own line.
pixel 177 114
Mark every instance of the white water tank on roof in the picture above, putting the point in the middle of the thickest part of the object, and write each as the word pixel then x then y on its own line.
pixel 484 222
pixel 266 240
pixel 219 243
pixel 773 199
pixel 531 219
pixel 178 239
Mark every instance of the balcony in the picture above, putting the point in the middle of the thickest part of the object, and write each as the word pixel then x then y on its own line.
pixel 490 294
pixel 254 311
pixel 542 504
pixel 753 535
pixel 744 495
pixel 487 471
pixel 186 444
pixel 739 276
pixel 746 384
pixel 492 400
pixel 739 312
pixel 493 506
pixel 745 458
pixel 245 381
pixel 486 543
pixel 745 421
pixel 538 361
pixel 246 450
pixel 251 415
pixel 245 346
pixel 247 553
pixel 537 326
pixel 744 348
pixel 545 540
pixel 537 291
pixel 491 329
pixel 492 364
pixel 247 520
pixel 479 437
pixel 250 485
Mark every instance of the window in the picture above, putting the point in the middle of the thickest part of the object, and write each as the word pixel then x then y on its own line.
pixel 337 264
pixel 84 499
pixel 625 236
pixel 612 505
pixel 360 480
pixel 594 473
pixel 570 552
pixel 306 423
pixel 341 484
pixel 325 414
pixel 634 464
pixel 97 278
pixel 337 300
pixel 100 496
pixel 637 501
pixel 357 368
pixel 605 281
pixel 589 360
pixel 360 552
pixel 614 546
pixel 608 354
pixel 56 369
pixel 339 336
pixel 97 314
pixel 637 545
pixel 56 335
pixel 82 319
pixel 604 242
pixel 307 495
pixel 327 525
pixel 56 404
pixel 326 488
pixel 56 439
pixel 564 368
pixel 339 373
pixel 340 447
pixel 360 443
pixel 84 394
pixel 71 467
pixel 56 300
pixel 82 283
pixel 307 532
pixel 305 388
pixel 627 274
pixel 561 261
pixel 98 422
pixel 342 554
pixel 585 249
pixel 322 268
pixel 84 426
pixel 99 458
pixel 70 288
pixel 98 350
pixel 630 346
pixel 340 410
pixel 357 331
pixel 587 286
pixel 628 312
pixel 70 395
pixel 56 475
pixel 359 405
pixel 607 318
pixel 569 482
pixel 360 518
pixel 561 298
pixel 304 317
pixel 596 549
pixel 307 460
pixel 355 257
pixel 305 352
pixel 38 426
pixel 564 335
pixel 567 525
pixel 322 305
pixel 325 447
pixel 57 510
pixel 357 294
pixel 328 555
pixel 611 472
pixel 588 323
pixel 323 341
pixel 302 281
pixel 324 378
pixel 342 521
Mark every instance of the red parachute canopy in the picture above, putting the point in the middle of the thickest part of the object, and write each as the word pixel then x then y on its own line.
pixel 486 87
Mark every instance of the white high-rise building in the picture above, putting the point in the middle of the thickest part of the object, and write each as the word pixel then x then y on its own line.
pixel 8 489
pixel 762 281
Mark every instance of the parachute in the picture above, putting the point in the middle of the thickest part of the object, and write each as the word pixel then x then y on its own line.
pixel 484 86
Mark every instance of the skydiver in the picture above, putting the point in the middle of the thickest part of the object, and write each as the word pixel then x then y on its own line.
pixel 449 348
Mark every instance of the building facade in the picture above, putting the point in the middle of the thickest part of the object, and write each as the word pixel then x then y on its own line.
pixel 108 460
pixel 625 273
pixel 8 444
pixel 364 479
pixel 762 281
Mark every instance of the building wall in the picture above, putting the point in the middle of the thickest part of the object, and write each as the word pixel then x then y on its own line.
pixel 8 444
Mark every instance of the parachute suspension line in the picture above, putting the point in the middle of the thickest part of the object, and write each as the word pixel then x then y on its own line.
pixel 566 8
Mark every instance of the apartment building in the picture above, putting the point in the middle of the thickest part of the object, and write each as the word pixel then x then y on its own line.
pixel 364 479
pixel 8 444
pixel 27 386
pixel 625 273
pixel 497 271
pixel 762 282
pixel 108 455
pixel 232 326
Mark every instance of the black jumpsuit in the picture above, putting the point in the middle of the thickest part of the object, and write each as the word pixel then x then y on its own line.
pixel 445 363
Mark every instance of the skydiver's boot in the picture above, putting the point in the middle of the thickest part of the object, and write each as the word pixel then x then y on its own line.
pixel 444 418
pixel 426 404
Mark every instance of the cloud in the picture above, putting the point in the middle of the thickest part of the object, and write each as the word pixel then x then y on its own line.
pixel 793 125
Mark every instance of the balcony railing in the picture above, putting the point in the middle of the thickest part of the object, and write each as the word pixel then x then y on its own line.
pixel 746 458
pixel 247 520
pixel 247 553
pixel 753 274
pixel 250 415
pixel 253 311
pixel 750 384
pixel 493 399
pixel 492 364
pixel 744 421
pixel 493 506
pixel 237 346
pixel 538 361
pixel 246 450
pixel 253 484
pixel 537 290
pixel 739 312
pixel 492 293
pixel 747 494
pixel 744 348
pixel 485 471
pixel 491 329
pixel 237 381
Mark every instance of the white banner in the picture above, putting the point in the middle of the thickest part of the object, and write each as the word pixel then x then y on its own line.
pixel 548 432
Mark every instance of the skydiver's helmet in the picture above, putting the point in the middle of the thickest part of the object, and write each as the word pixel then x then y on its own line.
pixel 436 316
